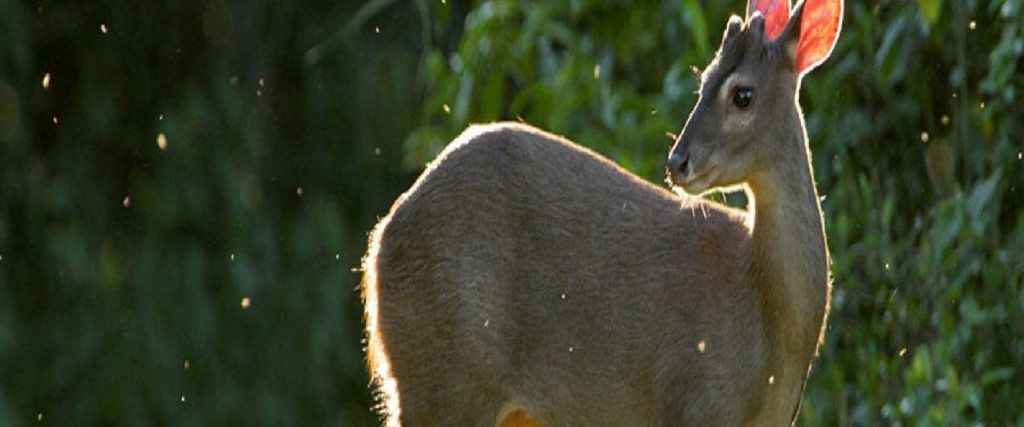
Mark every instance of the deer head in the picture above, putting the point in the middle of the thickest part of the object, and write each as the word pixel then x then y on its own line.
pixel 747 119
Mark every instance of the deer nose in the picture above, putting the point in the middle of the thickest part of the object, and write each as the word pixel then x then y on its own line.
pixel 677 163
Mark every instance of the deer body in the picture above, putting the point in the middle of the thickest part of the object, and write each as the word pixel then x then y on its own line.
pixel 525 279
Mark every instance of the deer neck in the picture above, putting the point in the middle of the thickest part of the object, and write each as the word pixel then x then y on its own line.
pixel 790 262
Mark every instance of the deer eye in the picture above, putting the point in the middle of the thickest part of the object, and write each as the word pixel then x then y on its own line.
pixel 742 97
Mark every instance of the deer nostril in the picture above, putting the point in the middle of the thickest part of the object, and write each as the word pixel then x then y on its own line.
pixel 677 163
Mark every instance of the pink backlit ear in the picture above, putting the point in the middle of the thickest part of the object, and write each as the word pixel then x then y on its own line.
pixel 775 12
pixel 820 23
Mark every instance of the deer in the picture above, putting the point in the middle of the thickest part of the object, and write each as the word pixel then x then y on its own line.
pixel 524 280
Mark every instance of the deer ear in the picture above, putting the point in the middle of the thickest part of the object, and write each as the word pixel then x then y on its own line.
pixel 812 32
pixel 775 12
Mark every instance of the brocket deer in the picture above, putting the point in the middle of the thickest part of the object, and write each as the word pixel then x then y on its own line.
pixel 525 280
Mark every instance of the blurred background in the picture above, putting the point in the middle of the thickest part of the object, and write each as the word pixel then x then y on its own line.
pixel 186 189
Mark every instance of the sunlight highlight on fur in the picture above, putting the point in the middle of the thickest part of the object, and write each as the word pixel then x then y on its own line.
pixel 388 403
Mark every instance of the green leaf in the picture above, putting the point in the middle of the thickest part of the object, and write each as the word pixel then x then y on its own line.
pixel 982 194
pixel 930 9
pixel 492 99
pixel 996 375
pixel 698 26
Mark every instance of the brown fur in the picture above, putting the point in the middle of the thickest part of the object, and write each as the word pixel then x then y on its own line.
pixel 525 280
pixel 474 261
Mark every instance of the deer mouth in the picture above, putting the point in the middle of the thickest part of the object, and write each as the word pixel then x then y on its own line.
pixel 697 182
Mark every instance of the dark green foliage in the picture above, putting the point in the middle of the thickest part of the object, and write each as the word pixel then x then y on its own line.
pixel 121 260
